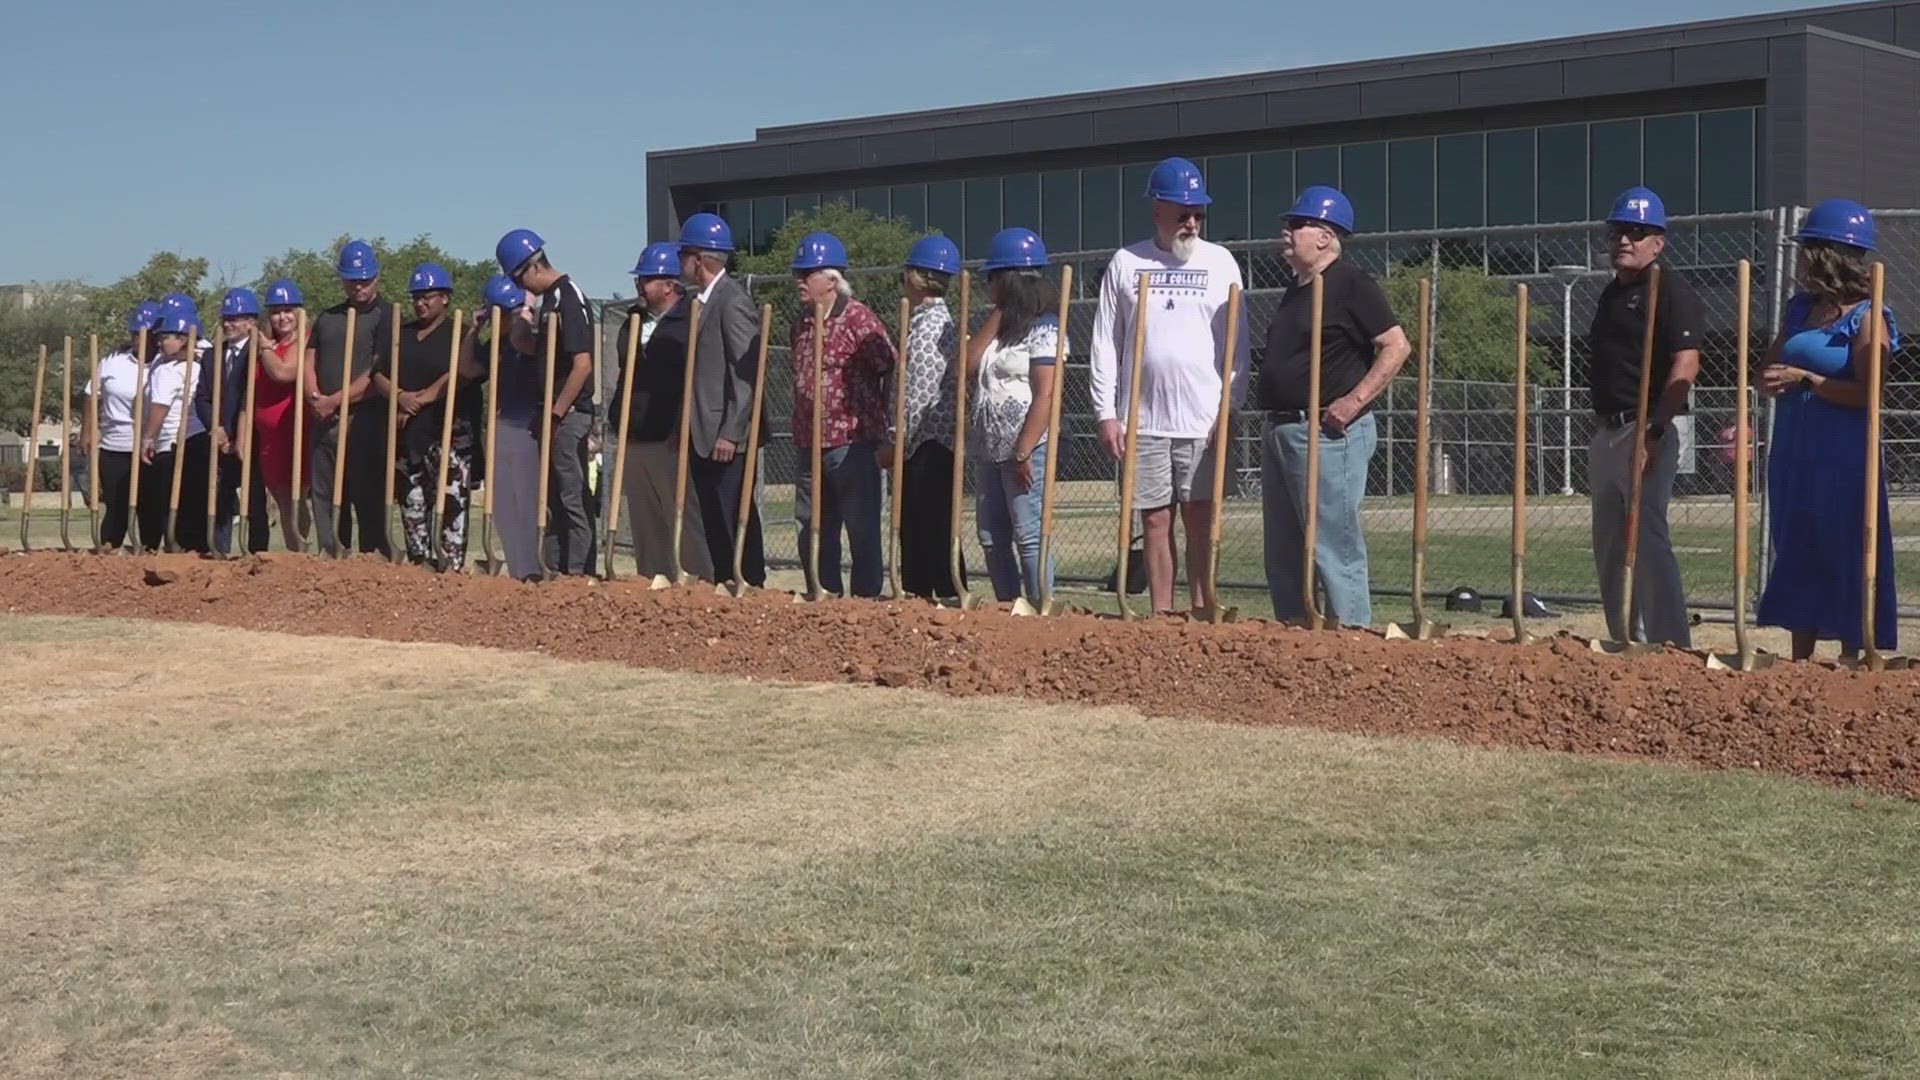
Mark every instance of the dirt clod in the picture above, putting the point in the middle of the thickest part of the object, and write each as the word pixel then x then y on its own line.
pixel 1813 720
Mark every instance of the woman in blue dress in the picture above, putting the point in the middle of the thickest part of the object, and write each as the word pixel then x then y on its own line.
pixel 1816 461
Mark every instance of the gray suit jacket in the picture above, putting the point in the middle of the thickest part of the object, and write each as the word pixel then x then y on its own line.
pixel 725 361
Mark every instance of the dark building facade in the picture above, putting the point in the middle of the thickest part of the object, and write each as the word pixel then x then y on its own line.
pixel 1725 116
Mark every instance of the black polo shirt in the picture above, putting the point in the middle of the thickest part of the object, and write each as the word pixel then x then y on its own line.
pixel 1619 333
pixel 1355 311
pixel 327 337
pixel 576 336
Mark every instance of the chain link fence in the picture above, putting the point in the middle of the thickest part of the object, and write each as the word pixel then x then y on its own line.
pixel 1473 352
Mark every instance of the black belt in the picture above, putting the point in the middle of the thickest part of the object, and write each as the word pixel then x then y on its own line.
pixel 1617 420
pixel 1286 416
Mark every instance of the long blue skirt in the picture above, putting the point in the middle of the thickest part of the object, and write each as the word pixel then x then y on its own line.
pixel 1816 492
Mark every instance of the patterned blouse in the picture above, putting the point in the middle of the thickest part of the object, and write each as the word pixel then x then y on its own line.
pixel 1004 391
pixel 858 357
pixel 931 341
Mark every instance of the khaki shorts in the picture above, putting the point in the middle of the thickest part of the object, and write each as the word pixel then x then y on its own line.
pixel 1168 470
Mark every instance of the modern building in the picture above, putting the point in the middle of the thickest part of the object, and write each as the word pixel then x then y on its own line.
pixel 1725 116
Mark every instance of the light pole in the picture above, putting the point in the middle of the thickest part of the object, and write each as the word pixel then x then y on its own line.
pixel 1568 275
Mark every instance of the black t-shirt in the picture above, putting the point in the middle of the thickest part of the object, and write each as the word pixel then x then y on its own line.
pixel 422 362
pixel 327 337
pixel 1619 333
pixel 1355 311
pixel 576 336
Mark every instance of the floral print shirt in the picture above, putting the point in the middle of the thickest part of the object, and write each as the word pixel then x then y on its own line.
pixel 858 358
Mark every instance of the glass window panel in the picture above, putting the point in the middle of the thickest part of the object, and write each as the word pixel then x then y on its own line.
pixel 873 200
pixel 1726 161
pixel 844 198
pixel 797 203
pixel 1060 210
pixel 983 216
pixel 1099 209
pixel 1136 210
pixel 946 209
pixel 1561 173
pixel 768 215
pixel 1460 165
pixel 1227 184
pixel 1410 184
pixel 738 215
pixel 1759 157
pixel 1510 178
pixel 1363 180
pixel 1020 201
pixel 1613 159
pixel 1320 165
pixel 1669 161
pixel 910 205
pixel 1270 176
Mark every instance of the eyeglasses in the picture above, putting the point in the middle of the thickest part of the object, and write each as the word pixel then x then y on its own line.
pixel 1635 233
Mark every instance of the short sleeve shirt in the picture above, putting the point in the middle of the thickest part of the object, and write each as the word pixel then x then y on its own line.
pixel 1354 312
pixel 327 337
pixel 576 334
pixel 1618 337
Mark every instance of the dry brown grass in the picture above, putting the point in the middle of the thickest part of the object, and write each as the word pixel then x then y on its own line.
pixel 238 854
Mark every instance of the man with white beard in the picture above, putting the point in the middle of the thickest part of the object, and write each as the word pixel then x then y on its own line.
pixel 1180 380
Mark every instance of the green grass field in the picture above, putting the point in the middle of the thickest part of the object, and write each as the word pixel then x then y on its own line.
pixel 344 858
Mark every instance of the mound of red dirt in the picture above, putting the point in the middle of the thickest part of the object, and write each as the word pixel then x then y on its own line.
pixel 1818 721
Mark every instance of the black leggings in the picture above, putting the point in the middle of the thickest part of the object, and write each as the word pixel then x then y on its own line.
pixel 116 473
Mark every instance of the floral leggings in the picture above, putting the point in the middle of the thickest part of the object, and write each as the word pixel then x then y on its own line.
pixel 420 476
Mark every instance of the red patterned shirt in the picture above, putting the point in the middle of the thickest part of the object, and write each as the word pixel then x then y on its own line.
pixel 858 357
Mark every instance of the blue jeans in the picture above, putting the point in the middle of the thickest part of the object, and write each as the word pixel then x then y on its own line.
pixel 1009 524
pixel 850 497
pixel 1339 549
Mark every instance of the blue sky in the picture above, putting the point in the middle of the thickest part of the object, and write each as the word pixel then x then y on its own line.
pixel 238 130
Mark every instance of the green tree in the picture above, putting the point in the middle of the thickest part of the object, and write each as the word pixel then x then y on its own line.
pixel 314 272
pixel 875 246
pixel 165 272
pixel 1474 325
pixel 55 311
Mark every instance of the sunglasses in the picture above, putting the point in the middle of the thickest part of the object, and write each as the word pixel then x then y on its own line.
pixel 1635 233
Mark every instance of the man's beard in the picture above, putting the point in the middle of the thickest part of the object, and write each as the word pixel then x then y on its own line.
pixel 1182 246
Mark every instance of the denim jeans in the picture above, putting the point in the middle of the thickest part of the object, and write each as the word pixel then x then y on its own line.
pixel 1340 548
pixel 1009 525
pixel 850 497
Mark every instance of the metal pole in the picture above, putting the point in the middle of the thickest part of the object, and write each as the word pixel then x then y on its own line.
pixel 1780 285
pixel 1566 390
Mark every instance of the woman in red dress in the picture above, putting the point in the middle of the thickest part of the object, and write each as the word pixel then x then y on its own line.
pixel 274 400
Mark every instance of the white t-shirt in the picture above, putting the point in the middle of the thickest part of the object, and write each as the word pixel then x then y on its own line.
pixel 119 381
pixel 1186 335
pixel 1004 388
pixel 165 380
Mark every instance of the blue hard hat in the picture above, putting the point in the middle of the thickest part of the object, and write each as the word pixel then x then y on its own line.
pixel 1177 180
pixel 1015 249
pixel 819 251
pixel 1639 206
pixel 144 317
pixel 284 293
pixel 658 261
pixel 358 262
pixel 934 252
pixel 174 324
pixel 707 232
pixel 1841 221
pixel 1323 203
pixel 180 306
pixel 502 293
pixel 239 303
pixel 430 277
pixel 515 248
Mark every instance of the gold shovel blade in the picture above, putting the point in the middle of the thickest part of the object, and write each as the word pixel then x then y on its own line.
pixel 1738 662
